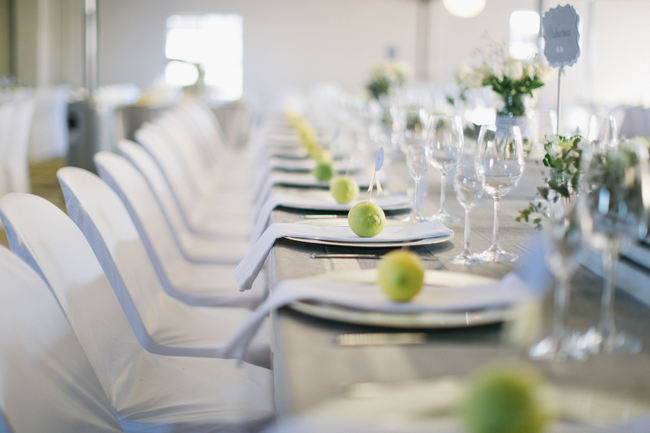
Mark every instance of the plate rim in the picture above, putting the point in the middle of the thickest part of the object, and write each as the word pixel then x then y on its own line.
pixel 453 319
pixel 406 243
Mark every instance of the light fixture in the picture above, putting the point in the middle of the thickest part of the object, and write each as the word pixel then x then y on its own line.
pixel 464 8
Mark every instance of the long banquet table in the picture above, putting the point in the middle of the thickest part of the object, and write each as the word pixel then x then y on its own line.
pixel 310 366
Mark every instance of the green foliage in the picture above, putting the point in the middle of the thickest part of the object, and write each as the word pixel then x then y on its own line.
pixel 563 160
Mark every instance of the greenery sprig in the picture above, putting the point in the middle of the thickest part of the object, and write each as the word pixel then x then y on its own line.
pixel 563 161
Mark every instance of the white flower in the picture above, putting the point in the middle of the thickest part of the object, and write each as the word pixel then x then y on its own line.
pixel 474 79
pixel 529 69
pixel 543 71
pixel 513 69
pixel 462 72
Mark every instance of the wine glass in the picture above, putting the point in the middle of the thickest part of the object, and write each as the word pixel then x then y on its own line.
pixel 416 161
pixel 564 243
pixel 444 138
pixel 613 206
pixel 603 132
pixel 502 159
pixel 469 181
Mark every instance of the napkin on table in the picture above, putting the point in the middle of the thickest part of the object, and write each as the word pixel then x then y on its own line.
pixel 247 269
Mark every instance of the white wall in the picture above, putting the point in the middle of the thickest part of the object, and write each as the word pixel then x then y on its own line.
pixel 287 43
pixel 296 43
pixel 4 37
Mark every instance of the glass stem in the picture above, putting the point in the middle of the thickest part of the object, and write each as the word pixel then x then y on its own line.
pixel 561 301
pixel 416 201
pixel 466 248
pixel 495 225
pixel 443 184
pixel 607 326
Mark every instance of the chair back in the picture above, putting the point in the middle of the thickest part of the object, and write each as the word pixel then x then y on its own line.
pixel 47 383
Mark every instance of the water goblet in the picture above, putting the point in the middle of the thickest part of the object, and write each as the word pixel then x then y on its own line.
pixel 417 164
pixel 613 205
pixel 469 182
pixel 564 242
pixel 502 160
pixel 444 137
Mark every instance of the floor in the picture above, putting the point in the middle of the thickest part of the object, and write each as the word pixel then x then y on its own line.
pixel 44 184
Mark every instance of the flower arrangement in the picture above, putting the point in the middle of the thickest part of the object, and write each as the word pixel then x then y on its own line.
pixel 562 158
pixel 384 76
pixel 511 79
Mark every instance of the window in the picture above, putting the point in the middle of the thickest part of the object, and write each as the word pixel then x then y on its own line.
pixel 524 31
pixel 206 44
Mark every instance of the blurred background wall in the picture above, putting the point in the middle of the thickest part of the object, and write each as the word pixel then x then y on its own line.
pixel 296 43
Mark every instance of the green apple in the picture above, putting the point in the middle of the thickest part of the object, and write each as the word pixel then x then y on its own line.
pixel 366 219
pixel 400 275
pixel 504 401
pixel 323 171
pixel 320 155
pixel 344 189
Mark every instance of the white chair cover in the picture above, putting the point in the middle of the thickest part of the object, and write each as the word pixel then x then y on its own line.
pixel 172 325
pixel 231 228
pixel 102 217
pixel 49 132
pixel 15 149
pixel 196 207
pixel 6 109
pixel 162 242
pixel 149 392
pixel 46 381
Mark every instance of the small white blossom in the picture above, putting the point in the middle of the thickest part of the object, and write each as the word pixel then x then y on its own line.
pixel 513 69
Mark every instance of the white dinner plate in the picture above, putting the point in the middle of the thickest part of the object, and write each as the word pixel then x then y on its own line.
pixel 395 234
pixel 432 407
pixel 320 200
pixel 424 320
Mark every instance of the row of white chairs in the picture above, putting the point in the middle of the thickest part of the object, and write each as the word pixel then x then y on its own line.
pixel 142 271
pixel 33 127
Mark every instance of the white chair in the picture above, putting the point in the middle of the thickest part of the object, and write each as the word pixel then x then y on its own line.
pixel 40 233
pixel 49 132
pixel 231 228
pixel 102 217
pixel 149 392
pixel 46 381
pixel 6 109
pixel 16 148
pixel 166 248
pixel 196 206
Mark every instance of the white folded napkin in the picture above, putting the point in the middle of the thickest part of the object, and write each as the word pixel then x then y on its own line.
pixel 318 201
pixel 247 269
pixel 307 165
pixel 268 179
pixel 367 296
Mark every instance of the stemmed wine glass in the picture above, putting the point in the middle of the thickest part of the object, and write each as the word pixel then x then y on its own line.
pixel 502 159
pixel 613 207
pixel 416 161
pixel 444 140
pixel 469 181
pixel 564 244
pixel 603 131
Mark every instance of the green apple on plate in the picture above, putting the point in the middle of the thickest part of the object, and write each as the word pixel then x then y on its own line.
pixel 323 171
pixel 504 400
pixel 400 275
pixel 344 189
pixel 366 219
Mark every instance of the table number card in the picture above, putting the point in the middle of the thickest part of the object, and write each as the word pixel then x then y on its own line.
pixel 561 42
pixel 561 36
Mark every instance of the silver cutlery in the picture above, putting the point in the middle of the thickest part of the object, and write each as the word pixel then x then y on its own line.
pixel 381 339
pixel 354 256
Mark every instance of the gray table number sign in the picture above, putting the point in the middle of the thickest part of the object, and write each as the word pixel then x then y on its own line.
pixel 561 42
